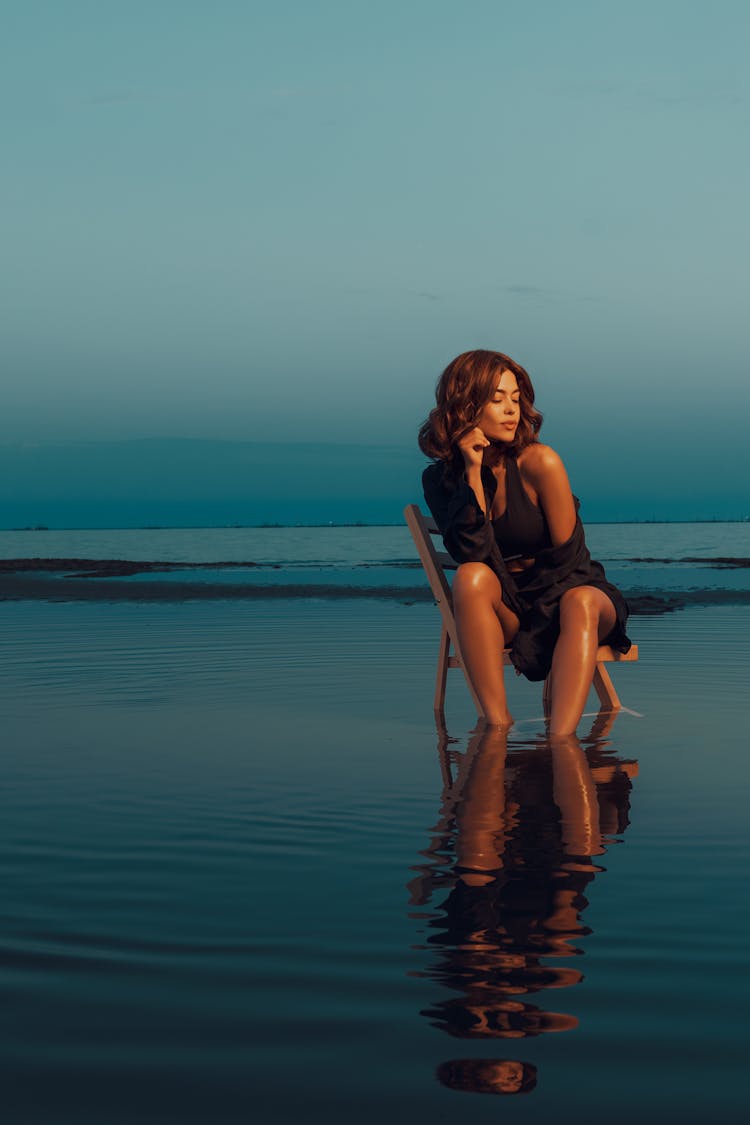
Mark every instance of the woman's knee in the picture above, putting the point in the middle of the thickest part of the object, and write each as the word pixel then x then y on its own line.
pixel 476 580
pixel 580 604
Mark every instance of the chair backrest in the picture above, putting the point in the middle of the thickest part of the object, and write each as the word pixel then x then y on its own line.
pixel 435 562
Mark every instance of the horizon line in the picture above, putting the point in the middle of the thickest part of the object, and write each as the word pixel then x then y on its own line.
pixel 265 525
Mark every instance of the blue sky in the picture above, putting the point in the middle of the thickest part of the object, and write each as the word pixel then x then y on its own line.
pixel 278 222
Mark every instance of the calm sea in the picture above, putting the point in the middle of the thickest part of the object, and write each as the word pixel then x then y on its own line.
pixel 247 879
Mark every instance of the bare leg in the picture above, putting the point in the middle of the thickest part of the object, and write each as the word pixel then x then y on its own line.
pixel 480 813
pixel 575 795
pixel 485 626
pixel 586 617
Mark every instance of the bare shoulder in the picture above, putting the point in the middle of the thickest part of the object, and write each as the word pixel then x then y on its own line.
pixel 540 463
pixel 547 478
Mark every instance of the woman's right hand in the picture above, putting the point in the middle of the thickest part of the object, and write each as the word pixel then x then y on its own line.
pixel 472 446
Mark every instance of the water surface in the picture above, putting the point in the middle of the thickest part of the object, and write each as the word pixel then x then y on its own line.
pixel 246 878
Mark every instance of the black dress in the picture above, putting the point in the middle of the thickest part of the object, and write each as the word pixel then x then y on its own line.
pixel 534 594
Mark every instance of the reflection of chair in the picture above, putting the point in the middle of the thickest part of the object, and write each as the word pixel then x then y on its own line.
pixel 435 564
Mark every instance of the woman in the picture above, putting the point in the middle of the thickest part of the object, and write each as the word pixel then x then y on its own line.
pixel 507 515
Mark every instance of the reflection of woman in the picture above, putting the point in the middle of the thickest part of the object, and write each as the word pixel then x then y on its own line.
pixel 504 506
pixel 488 1076
pixel 523 829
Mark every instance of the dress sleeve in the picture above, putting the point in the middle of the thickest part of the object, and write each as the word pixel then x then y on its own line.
pixel 466 529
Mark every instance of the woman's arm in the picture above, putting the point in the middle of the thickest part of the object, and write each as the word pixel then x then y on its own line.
pixel 458 512
pixel 547 476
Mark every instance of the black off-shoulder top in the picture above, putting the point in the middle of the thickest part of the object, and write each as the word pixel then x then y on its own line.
pixel 522 528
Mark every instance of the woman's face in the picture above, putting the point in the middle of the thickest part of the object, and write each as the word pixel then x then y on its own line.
pixel 499 419
pixel 509 1076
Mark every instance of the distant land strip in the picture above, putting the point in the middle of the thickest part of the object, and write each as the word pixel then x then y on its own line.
pixel 114 568
pixel 19 586
pixel 121 568
pixel 714 561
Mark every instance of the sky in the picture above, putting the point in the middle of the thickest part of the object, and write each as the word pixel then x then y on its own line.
pixel 255 222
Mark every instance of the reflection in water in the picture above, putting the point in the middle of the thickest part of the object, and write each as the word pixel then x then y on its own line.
pixel 513 853
pixel 488 1076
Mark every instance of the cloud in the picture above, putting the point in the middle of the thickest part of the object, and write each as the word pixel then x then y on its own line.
pixel 659 91
pixel 687 96
pixel 528 291
pixel 115 99
pixel 539 293
pixel 424 295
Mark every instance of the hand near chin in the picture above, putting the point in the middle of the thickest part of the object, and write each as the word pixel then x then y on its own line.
pixel 472 446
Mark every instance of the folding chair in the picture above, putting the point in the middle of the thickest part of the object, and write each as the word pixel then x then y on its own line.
pixel 435 563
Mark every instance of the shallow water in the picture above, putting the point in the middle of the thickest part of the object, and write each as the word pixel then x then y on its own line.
pixel 240 884
pixel 347 545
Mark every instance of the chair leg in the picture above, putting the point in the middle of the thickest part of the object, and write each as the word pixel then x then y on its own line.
pixel 547 697
pixel 442 672
pixel 605 689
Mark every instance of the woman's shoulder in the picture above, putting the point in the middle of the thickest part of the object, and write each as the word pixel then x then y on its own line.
pixel 434 470
pixel 437 481
pixel 539 462
pixel 434 475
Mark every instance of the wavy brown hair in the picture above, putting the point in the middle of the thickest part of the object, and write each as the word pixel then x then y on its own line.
pixel 463 390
